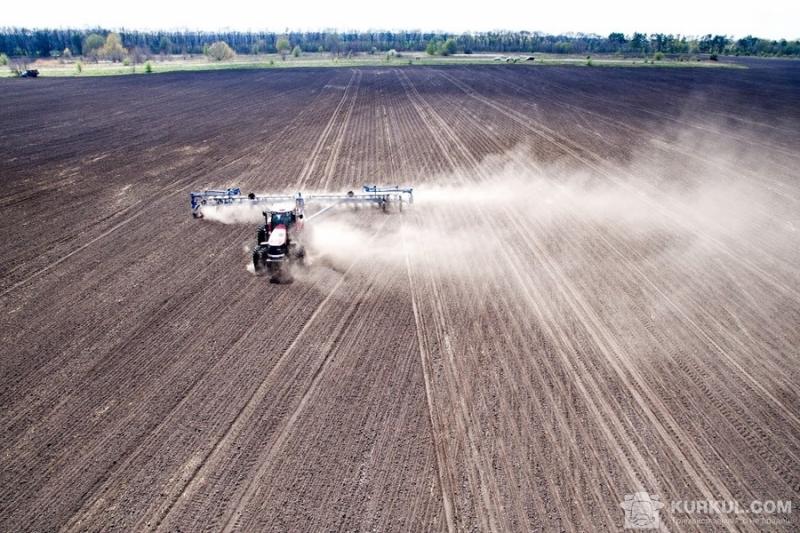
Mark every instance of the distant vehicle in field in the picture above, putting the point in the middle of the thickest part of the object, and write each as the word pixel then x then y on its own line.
pixel 30 73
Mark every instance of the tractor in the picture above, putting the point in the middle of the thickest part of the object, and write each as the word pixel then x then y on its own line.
pixel 279 243
pixel 280 240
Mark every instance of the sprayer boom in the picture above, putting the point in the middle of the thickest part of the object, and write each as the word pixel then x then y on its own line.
pixel 381 196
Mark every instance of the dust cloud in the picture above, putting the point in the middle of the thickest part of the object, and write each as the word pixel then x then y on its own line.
pixel 455 224
pixel 681 209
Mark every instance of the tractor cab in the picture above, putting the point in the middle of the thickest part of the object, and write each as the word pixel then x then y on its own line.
pixel 285 218
pixel 273 219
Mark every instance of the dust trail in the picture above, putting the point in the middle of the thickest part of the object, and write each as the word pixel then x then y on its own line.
pixel 672 209
pixel 472 220
pixel 335 240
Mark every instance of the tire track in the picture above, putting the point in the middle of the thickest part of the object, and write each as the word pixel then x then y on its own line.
pixel 239 424
pixel 330 165
pixel 602 339
pixel 446 133
pixel 316 152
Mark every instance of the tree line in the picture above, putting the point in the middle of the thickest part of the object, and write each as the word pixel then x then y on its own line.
pixel 58 42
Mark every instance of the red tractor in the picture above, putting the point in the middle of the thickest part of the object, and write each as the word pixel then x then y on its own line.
pixel 279 243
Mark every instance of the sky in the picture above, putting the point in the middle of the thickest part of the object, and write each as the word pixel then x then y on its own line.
pixel 771 19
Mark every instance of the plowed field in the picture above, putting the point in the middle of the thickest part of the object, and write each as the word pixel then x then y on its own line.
pixel 596 293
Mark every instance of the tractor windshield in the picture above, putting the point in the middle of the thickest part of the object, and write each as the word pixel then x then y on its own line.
pixel 281 218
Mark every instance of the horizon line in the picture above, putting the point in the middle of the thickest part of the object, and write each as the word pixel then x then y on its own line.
pixel 187 29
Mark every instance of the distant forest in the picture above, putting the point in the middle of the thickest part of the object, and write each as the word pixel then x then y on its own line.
pixel 55 43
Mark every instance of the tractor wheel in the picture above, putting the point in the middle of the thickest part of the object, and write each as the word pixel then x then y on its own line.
pixel 258 260
pixel 262 234
pixel 279 273
pixel 300 255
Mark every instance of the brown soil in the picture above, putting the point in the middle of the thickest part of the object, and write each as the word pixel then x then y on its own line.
pixel 148 381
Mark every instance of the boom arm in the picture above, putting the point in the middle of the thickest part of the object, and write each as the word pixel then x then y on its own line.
pixel 371 194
